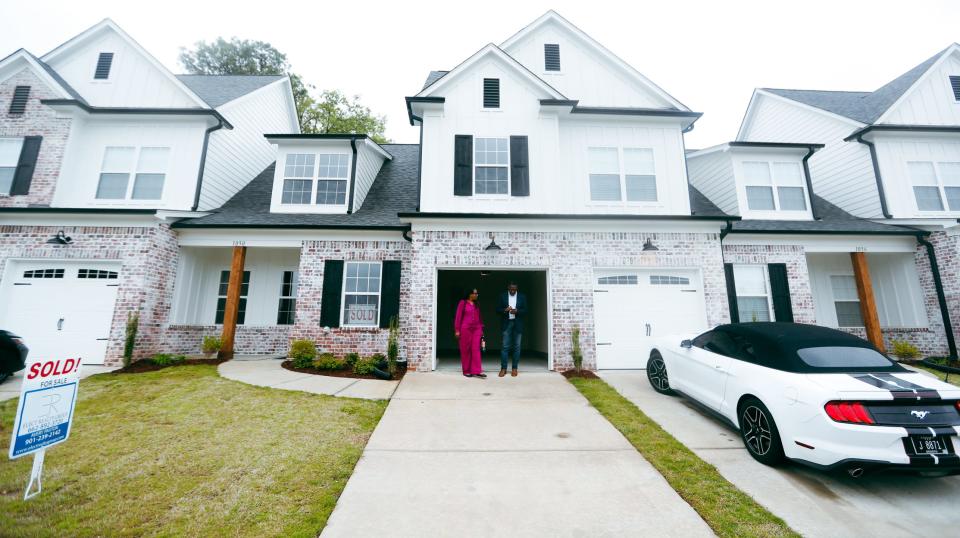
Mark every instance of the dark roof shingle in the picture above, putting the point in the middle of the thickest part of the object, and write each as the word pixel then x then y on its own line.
pixel 831 219
pixel 217 90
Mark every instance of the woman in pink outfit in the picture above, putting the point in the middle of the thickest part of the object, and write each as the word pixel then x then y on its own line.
pixel 468 329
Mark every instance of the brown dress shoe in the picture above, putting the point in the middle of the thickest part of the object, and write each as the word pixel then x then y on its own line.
pixel 513 372
pixel 502 372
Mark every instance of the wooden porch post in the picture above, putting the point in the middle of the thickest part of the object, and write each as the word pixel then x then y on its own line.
pixel 868 304
pixel 233 302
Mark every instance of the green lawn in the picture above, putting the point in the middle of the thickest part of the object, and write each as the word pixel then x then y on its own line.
pixel 184 452
pixel 954 379
pixel 727 510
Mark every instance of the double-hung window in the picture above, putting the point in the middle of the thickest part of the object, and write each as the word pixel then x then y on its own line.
pixel 361 294
pixel 147 165
pixel 287 309
pixel 640 176
pixel 9 157
pixel 492 166
pixel 604 168
pixel 634 181
pixel 935 182
pixel 774 186
pixel 298 178
pixel 222 297
pixel 311 178
pixel 846 301
pixel 753 292
pixel 332 179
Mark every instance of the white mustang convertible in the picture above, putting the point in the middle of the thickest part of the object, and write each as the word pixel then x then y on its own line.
pixel 814 395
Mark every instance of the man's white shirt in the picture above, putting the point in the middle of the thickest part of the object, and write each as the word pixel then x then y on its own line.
pixel 512 302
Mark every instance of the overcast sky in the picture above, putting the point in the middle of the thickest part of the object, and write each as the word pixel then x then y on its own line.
pixel 709 55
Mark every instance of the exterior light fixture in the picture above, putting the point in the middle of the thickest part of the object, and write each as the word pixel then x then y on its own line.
pixel 60 239
pixel 493 247
pixel 648 245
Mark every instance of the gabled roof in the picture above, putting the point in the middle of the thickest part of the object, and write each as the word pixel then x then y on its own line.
pixel 219 90
pixel 433 77
pixel 864 107
pixel 43 71
pixel 495 51
pixel 552 16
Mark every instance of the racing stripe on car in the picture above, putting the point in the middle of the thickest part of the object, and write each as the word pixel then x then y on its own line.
pixel 900 389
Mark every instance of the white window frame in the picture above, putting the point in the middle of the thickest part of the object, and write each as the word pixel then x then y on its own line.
pixel 622 173
pixel 344 293
pixel 775 185
pixel 764 270
pixel 15 162
pixel 509 192
pixel 132 174
pixel 295 291
pixel 314 180
pixel 940 186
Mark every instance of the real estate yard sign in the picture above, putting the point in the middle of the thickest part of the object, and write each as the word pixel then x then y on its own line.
pixel 45 411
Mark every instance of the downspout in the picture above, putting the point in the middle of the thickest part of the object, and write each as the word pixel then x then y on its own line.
pixel 353 174
pixel 941 298
pixel 876 174
pixel 406 234
pixel 203 161
pixel 806 174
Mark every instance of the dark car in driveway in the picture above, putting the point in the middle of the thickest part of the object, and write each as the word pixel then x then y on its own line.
pixel 13 354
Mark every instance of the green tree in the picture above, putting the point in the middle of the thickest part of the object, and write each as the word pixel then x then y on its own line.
pixel 334 112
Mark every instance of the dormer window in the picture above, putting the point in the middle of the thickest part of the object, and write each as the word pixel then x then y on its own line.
pixel 491 93
pixel 935 182
pixel 955 86
pixel 18 105
pixel 774 186
pixel 315 178
pixel 104 61
pixel 551 57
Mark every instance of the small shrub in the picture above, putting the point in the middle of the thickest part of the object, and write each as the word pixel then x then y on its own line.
pixel 351 359
pixel 904 350
pixel 329 361
pixel 211 344
pixel 130 338
pixel 167 359
pixel 576 352
pixel 393 348
pixel 302 352
pixel 366 365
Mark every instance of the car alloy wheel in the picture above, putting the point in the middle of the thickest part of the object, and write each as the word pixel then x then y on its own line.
pixel 756 432
pixel 657 373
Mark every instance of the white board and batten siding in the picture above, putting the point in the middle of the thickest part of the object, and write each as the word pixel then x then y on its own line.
pixel 841 172
pixel 712 174
pixel 895 151
pixel 931 100
pixel 236 156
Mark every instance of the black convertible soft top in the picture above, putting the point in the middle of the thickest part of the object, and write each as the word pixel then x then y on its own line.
pixel 776 345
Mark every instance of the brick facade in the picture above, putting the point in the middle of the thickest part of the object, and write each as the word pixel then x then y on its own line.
pixel 798 276
pixel 249 339
pixel 37 120
pixel 947 247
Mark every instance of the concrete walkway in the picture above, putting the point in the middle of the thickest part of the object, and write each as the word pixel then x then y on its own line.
pixel 10 388
pixel 267 372
pixel 813 503
pixel 525 456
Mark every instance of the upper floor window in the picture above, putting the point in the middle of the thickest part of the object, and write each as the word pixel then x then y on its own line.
pixel 104 62
pixel 308 176
pixel 18 105
pixel 934 183
pixel 147 165
pixel 776 187
pixel 635 181
pixel 9 157
pixel 955 86
pixel 491 93
pixel 551 57
pixel 491 172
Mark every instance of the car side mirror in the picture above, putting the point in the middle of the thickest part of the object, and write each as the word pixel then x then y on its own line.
pixel 686 344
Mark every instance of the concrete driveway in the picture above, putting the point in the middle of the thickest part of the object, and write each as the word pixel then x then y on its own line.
pixel 811 502
pixel 525 456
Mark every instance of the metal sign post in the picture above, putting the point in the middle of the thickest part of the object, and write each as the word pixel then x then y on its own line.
pixel 35 475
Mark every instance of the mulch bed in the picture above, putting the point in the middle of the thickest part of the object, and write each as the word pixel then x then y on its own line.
pixel 584 374
pixel 146 365
pixel 346 372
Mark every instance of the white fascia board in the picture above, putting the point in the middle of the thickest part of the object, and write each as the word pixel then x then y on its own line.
pixel 831 243
pixel 494 224
pixel 805 106
pixel 24 57
pixel 377 148
pixel 492 50
pixel 930 225
pixel 553 16
pixel 747 114
pixel 78 219
pixel 707 151
pixel 952 49
pixel 253 237
pixel 75 41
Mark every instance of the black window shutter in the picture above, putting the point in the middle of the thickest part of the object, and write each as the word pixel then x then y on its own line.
pixel 731 293
pixel 551 57
pixel 390 292
pixel 519 167
pixel 18 105
pixel 463 165
pixel 780 292
pixel 26 165
pixel 955 84
pixel 491 93
pixel 104 61
pixel 330 299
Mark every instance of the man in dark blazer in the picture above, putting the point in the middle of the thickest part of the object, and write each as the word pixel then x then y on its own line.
pixel 513 309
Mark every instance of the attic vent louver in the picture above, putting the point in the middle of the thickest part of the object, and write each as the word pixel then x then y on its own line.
pixel 955 84
pixel 491 93
pixel 103 66
pixel 551 57
pixel 20 96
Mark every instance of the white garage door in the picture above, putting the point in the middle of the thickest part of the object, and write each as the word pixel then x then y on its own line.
pixel 631 307
pixel 60 309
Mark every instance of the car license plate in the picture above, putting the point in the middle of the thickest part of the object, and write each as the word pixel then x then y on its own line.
pixel 930 444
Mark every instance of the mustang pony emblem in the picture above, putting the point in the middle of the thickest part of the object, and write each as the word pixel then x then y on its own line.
pixel 920 414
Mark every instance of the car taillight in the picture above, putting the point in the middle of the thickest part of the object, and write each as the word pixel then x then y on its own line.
pixel 849 412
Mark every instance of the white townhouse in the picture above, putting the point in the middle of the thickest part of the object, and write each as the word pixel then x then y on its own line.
pixel 890 156
pixel 101 149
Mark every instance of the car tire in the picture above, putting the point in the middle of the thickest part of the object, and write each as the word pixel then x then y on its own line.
pixel 657 373
pixel 759 432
